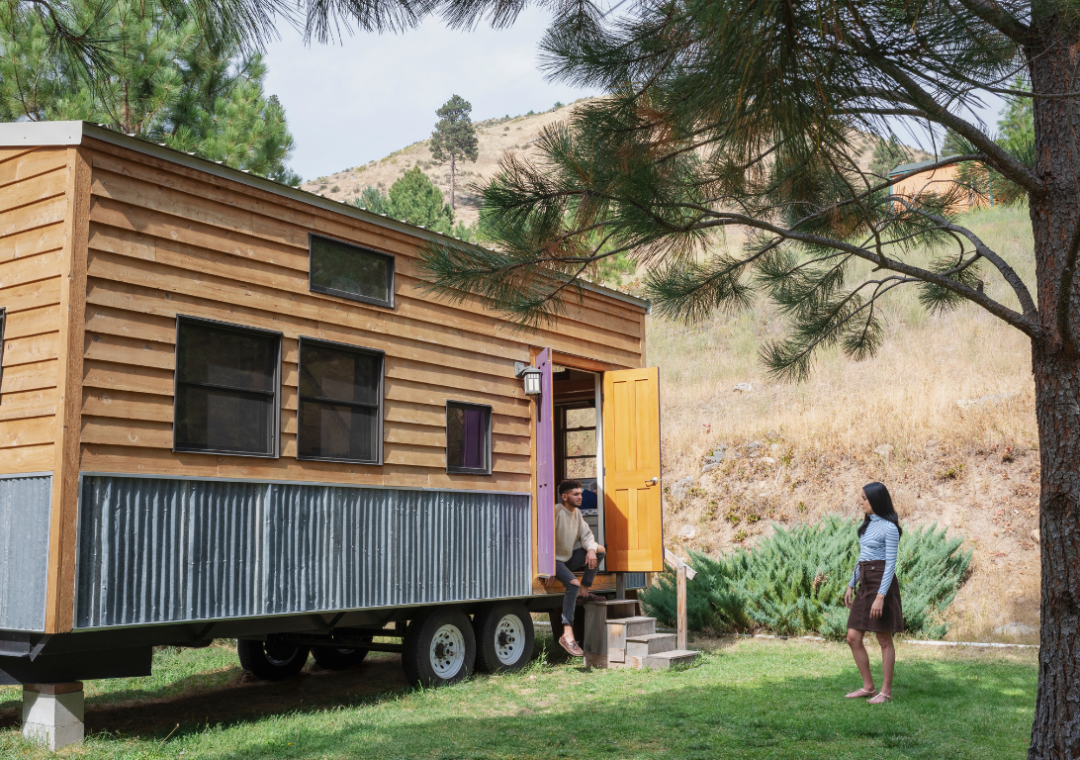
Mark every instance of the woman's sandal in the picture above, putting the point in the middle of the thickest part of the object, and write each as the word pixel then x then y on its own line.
pixel 880 699
pixel 861 694
pixel 589 596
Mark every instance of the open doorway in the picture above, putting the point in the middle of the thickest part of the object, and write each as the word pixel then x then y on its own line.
pixel 578 439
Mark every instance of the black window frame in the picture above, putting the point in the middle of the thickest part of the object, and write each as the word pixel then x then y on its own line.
pixel 378 461
pixel 275 433
pixel 390 273
pixel 489 453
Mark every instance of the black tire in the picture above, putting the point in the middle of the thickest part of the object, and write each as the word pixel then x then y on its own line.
pixel 504 637
pixel 440 648
pixel 338 658
pixel 270 661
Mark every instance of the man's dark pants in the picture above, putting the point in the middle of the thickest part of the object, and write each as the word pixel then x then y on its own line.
pixel 564 571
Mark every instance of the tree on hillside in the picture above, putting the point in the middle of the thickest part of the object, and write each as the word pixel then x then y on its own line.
pixel 741 114
pixel 888 154
pixel 454 139
pixel 167 83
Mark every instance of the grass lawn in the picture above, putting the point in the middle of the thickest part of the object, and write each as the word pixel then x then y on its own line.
pixel 745 699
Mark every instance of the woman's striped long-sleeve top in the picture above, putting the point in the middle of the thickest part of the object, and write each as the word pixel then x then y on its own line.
pixel 878 541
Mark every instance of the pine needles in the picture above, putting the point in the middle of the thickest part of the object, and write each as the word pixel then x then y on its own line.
pixel 792 583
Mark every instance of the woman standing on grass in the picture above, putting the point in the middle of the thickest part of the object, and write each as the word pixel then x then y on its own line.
pixel 876 604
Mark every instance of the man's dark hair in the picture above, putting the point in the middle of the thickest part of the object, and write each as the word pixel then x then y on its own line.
pixel 567 486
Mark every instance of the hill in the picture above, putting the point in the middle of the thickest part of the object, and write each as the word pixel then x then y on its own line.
pixel 944 415
pixel 496 138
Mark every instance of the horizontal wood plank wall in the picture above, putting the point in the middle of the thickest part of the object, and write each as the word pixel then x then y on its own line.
pixel 166 239
pixel 33 201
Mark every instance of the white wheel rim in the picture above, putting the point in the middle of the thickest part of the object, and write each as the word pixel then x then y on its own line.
pixel 509 639
pixel 447 651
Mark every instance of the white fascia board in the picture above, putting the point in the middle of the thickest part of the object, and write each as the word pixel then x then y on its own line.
pixel 41 133
pixel 18 134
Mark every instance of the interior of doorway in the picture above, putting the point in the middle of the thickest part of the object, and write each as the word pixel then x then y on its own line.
pixel 578 437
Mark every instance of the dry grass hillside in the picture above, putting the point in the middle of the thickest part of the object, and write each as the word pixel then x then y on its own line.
pixel 944 415
pixel 496 137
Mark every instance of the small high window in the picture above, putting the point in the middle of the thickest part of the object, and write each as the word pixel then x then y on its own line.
pixel 226 398
pixel 349 271
pixel 468 438
pixel 340 413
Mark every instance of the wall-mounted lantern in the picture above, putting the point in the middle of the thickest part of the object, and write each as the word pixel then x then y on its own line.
pixel 530 377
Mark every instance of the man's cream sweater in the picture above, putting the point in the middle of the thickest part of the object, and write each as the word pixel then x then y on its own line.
pixel 571 531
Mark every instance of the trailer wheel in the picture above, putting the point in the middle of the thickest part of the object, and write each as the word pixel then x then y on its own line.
pixel 440 648
pixel 271 661
pixel 338 658
pixel 504 637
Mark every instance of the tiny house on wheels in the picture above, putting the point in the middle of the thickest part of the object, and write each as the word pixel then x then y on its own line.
pixel 228 410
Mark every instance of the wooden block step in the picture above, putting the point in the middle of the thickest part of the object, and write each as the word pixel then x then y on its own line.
pixel 609 603
pixel 619 629
pixel 666 660
pixel 653 643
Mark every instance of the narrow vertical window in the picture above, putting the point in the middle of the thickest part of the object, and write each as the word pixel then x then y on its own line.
pixel 340 411
pixel 226 389
pixel 3 324
pixel 468 438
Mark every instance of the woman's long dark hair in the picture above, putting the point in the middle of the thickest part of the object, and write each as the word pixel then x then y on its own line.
pixel 881 502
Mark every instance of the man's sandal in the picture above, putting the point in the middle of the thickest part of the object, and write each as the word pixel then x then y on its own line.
pixel 880 699
pixel 861 694
pixel 571 647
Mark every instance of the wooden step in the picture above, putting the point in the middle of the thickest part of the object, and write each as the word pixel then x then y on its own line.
pixel 612 604
pixel 653 643
pixel 620 629
pixel 665 660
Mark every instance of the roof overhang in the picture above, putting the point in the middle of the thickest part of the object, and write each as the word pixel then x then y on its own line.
pixel 45 133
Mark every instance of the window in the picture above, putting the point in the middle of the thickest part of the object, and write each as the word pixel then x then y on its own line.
pixel 340 414
pixel 468 438
pixel 349 271
pixel 226 389
pixel 3 324
pixel 579 442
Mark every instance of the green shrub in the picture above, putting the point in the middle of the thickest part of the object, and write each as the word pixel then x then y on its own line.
pixel 792 582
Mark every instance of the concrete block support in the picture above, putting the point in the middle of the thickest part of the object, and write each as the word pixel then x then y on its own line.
pixel 52 714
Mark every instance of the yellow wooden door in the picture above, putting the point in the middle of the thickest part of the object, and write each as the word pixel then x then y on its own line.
pixel 633 524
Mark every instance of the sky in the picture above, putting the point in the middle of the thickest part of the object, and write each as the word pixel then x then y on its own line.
pixel 350 102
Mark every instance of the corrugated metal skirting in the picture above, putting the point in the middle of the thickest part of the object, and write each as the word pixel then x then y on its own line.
pixel 24 550
pixel 165 550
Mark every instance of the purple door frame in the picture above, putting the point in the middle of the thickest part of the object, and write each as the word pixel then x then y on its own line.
pixel 545 469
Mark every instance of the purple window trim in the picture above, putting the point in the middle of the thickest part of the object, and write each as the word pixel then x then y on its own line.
pixel 545 468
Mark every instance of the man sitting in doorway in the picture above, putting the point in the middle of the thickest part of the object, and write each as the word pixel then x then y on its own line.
pixel 575 548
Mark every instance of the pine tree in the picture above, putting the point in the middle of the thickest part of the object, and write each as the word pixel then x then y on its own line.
pixel 888 154
pixel 454 139
pixel 415 199
pixel 743 114
pixel 167 83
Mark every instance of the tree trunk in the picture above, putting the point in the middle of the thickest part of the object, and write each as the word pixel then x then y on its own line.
pixel 1056 731
pixel 1054 213
pixel 453 169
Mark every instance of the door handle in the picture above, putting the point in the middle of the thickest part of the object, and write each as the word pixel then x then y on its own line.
pixel 652 481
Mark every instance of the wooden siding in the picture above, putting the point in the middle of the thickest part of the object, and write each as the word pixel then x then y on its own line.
pixel 33 210
pixel 165 239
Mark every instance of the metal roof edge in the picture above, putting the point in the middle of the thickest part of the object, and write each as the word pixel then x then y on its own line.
pixel 914 167
pixel 17 134
pixel 73 132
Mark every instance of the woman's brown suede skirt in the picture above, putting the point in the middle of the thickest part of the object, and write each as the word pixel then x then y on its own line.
pixel 892 615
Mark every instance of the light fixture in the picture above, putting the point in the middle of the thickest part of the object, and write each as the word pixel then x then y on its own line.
pixel 530 376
